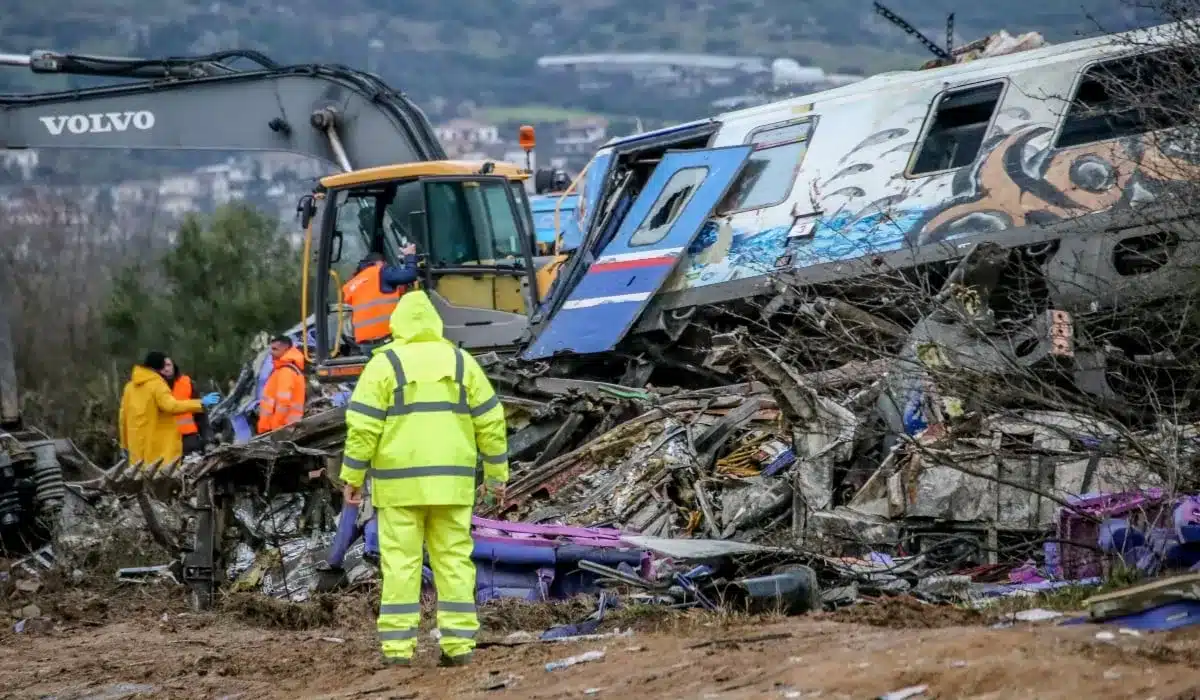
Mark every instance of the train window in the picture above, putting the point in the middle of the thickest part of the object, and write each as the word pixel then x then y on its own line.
pixel 669 205
pixel 1129 96
pixel 770 171
pixel 960 122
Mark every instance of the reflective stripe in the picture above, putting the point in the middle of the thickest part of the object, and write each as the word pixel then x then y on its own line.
pixel 417 472
pixel 456 607
pixel 485 406
pixel 186 425
pixel 392 635
pixel 460 370
pixel 400 407
pixel 398 370
pixel 399 608
pixel 368 321
pixel 461 634
pixel 362 306
pixel 281 395
pixel 355 463
pixel 368 411
pixel 494 459
pixel 425 407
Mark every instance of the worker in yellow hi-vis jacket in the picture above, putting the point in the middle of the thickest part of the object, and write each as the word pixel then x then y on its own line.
pixel 422 418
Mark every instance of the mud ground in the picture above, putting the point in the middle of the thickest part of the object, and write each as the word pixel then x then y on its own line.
pixel 144 644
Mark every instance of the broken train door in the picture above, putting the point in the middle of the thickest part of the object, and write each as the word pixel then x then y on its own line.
pixel 661 224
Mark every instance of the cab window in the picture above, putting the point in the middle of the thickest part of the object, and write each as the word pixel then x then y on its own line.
pixel 364 231
pixel 472 223
pixel 353 208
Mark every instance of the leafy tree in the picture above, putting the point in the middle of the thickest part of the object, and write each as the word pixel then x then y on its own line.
pixel 227 278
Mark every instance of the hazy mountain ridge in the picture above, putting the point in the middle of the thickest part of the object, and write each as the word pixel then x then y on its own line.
pixel 485 50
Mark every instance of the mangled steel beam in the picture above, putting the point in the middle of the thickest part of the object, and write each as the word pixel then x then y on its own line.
pixel 823 433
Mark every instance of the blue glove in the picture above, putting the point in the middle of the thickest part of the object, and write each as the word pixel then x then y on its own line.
pixel 210 400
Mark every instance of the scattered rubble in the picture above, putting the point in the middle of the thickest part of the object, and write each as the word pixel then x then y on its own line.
pixel 762 487
pixel 777 491
pixel 37 476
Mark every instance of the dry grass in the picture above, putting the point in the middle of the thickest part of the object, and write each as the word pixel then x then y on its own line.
pixel 906 612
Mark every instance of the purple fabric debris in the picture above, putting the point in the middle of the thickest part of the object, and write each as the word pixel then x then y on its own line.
pixel 572 554
pixel 1165 617
pixel 347 532
pixel 881 559
pixel 538 562
pixel 1026 573
pixel 1186 513
pixel 371 537
pixel 1081 523
pixel 1162 548
pixel 782 461
pixel 501 582
pixel 502 527
pixel 513 554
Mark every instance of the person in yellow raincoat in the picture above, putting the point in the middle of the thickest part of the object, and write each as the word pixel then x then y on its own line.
pixel 147 416
pixel 421 420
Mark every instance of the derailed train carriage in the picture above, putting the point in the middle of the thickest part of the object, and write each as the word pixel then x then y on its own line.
pixel 1065 168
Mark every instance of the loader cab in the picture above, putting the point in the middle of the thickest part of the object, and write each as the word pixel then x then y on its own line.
pixel 474 236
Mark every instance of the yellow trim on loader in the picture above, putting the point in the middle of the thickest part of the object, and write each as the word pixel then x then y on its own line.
pixel 410 171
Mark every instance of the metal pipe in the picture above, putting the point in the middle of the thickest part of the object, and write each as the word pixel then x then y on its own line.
pixel 15 59
pixel 335 142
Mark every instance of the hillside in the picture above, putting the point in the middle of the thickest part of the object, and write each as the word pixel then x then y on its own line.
pixel 479 57
pixel 485 50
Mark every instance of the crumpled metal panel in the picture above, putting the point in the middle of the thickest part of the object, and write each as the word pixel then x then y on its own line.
pixel 753 500
pixel 621 489
pixel 280 519
pixel 299 558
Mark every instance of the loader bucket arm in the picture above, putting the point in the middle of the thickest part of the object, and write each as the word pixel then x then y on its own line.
pixel 205 103
pixel 345 117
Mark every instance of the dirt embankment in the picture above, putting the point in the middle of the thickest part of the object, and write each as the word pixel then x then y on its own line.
pixel 141 642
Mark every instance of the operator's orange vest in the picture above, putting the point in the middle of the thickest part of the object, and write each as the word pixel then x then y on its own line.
pixel 370 309
pixel 183 392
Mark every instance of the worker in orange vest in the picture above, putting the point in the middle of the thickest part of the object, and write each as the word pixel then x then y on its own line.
pixel 283 397
pixel 188 424
pixel 373 292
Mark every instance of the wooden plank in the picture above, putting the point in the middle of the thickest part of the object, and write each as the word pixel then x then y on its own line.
pixel 1144 597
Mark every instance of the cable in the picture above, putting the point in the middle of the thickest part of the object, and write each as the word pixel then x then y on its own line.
pixel 912 31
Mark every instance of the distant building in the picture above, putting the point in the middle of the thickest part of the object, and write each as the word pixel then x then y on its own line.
pixel 576 137
pixel 468 131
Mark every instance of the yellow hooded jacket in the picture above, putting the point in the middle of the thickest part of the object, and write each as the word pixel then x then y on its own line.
pixel 422 417
pixel 147 418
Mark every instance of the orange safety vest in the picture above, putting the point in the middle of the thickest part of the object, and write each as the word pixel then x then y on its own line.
pixel 283 396
pixel 184 422
pixel 370 308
